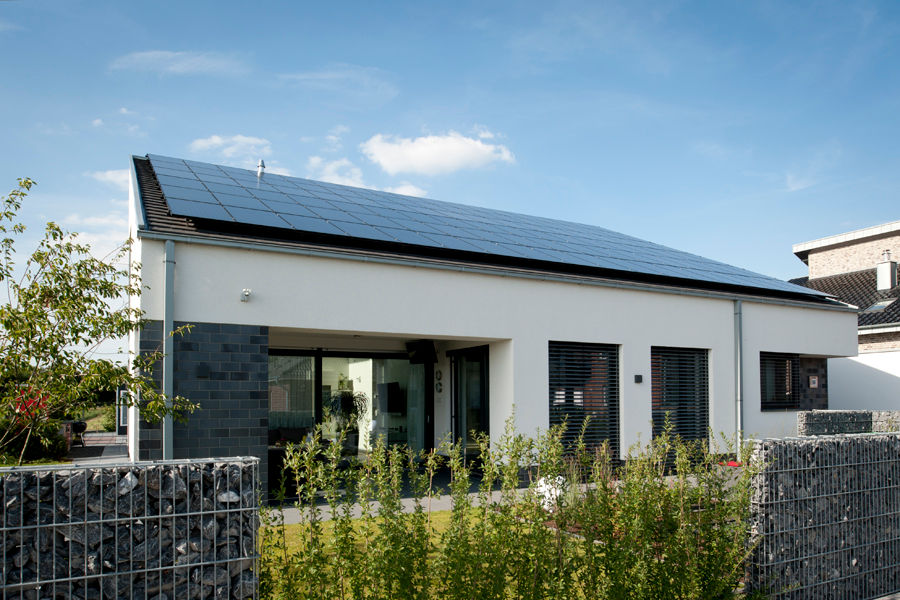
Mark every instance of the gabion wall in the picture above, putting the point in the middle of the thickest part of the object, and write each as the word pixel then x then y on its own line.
pixel 830 422
pixel 161 530
pixel 826 517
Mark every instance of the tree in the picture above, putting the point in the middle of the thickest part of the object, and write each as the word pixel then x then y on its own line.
pixel 61 305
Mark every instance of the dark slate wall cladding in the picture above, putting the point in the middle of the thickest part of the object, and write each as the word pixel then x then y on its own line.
pixel 813 398
pixel 223 367
pixel 151 340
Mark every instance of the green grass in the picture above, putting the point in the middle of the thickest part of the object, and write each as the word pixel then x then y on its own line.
pixel 94 418
pixel 440 521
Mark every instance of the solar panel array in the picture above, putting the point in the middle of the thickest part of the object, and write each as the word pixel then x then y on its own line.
pixel 206 191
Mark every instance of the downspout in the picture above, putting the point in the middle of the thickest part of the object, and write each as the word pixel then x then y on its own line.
pixel 738 373
pixel 168 379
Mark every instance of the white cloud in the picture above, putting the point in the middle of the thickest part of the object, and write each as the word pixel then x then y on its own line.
pixel 345 83
pixel 434 154
pixel 98 122
pixel 273 168
pixel 117 178
pixel 166 62
pixel 125 111
pixel 340 171
pixel 243 150
pixel 407 189
pixel 333 139
pixel 105 233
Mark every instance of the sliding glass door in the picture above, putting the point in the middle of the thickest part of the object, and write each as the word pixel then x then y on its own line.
pixel 369 396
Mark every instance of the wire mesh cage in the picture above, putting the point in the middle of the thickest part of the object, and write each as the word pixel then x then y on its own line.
pixel 163 529
pixel 826 517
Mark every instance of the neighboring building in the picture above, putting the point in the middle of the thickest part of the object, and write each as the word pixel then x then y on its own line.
pixel 859 268
pixel 437 319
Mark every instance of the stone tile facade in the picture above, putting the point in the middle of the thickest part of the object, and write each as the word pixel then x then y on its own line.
pixel 224 368
pixel 813 398
pixel 852 256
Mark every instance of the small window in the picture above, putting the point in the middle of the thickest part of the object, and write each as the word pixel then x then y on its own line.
pixel 779 381
pixel 584 382
pixel 879 306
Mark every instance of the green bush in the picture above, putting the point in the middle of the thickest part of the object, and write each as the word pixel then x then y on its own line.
pixel 109 418
pixel 49 446
pixel 545 522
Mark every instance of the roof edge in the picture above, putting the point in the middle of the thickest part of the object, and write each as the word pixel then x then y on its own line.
pixel 820 302
pixel 802 249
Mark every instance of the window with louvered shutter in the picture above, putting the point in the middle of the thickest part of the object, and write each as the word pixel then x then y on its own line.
pixel 779 381
pixel 584 381
pixel 680 390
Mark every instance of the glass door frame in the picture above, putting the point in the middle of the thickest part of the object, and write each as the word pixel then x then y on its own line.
pixel 480 353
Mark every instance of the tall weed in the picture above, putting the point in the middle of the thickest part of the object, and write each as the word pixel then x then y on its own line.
pixel 544 521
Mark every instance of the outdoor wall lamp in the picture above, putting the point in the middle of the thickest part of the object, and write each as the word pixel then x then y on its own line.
pixel 245 294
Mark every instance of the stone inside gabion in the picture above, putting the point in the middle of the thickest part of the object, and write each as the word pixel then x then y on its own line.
pixel 824 517
pixel 175 530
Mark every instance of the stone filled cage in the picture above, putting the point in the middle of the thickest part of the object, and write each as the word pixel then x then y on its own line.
pixel 162 529
pixel 826 517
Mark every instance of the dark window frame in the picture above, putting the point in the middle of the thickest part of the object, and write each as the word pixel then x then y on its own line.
pixel 680 388
pixel 584 380
pixel 779 381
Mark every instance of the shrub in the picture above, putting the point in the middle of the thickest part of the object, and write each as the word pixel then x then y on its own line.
pixel 545 521
pixel 108 421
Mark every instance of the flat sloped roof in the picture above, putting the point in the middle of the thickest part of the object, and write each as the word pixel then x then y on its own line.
pixel 200 199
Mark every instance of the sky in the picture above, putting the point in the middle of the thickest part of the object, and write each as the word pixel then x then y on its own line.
pixel 732 130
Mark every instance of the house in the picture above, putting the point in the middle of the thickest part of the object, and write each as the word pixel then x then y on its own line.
pixel 428 319
pixel 860 268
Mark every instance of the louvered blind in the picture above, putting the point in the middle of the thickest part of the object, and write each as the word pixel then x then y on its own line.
pixel 779 381
pixel 680 389
pixel 584 381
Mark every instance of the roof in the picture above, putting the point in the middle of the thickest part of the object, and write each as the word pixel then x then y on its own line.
pixel 859 288
pixel 803 249
pixel 184 197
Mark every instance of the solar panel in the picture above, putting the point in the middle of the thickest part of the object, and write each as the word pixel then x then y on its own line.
pixel 206 191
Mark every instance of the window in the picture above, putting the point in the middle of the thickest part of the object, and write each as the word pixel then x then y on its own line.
pixel 584 382
pixel 779 381
pixel 384 392
pixel 680 391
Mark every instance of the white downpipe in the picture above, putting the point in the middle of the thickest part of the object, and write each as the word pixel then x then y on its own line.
pixel 738 372
pixel 168 379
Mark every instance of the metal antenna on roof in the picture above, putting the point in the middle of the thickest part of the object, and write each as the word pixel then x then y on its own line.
pixel 260 169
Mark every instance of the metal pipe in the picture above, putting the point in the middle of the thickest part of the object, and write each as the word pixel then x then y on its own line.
pixel 738 373
pixel 168 379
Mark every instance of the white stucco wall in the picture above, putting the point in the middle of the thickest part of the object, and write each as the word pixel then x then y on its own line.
pixel 774 328
pixel 516 316
pixel 867 382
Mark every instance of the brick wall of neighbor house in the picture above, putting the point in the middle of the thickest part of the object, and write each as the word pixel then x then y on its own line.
pixel 855 256
pixel 813 398
pixel 224 368
pixel 877 342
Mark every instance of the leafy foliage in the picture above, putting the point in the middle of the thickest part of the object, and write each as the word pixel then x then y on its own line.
pixel 61 304
pixel 670 522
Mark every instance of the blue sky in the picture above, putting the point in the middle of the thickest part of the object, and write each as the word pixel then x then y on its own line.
pixel 728 129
